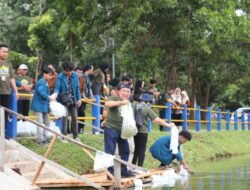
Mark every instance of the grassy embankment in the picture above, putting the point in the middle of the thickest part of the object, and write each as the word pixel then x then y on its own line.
pixel 204 146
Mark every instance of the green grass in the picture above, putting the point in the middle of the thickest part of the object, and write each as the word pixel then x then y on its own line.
pixel 204 146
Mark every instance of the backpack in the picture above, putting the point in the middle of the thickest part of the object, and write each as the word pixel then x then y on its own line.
pixel 161 99
pixel 138 115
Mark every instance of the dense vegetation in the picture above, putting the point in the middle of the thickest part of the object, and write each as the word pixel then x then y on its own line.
pixel 200 45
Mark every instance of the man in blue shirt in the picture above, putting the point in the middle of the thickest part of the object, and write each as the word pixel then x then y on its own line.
pixel 160 150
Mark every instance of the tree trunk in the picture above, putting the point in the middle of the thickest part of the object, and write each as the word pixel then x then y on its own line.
pixel 39 64
pixel 38 52
pixel 205 102
pixel 193 96
pixel 172 74
pixel 71 47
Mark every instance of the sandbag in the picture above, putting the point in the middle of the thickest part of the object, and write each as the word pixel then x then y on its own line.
pixel 183 172
pixel 102 161
pixel 28 129
pixel 25 129
pixel 54 128
pixel 57 109
pixel 129 128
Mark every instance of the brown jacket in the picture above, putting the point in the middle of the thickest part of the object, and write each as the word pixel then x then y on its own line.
pixel 82 82
pixel 52 82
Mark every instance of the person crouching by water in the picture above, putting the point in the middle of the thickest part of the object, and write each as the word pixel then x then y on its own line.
pixel 143 112
pixel 40 105
pixel 160 150
pixel 113 127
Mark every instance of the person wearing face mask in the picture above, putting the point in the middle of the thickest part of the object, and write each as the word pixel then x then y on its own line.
pixel 67 92
pixel 113 127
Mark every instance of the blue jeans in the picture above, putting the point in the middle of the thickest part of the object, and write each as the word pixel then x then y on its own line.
pixel 111 137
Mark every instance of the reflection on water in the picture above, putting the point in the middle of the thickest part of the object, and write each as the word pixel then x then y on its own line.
pixel 226 174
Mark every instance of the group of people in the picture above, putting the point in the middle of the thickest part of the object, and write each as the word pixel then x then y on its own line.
pixel 177 99
pixel 72 84
pixel 113 127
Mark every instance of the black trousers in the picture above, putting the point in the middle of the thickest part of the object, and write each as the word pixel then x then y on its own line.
pixel 23 107
pixel 81 113
pixel 140 140
pixel 162 116
pixel 177 117
pixel 5 102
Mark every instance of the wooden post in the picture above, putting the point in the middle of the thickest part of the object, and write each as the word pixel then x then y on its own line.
pixel 168 112
pixel 219 120
pixel 184 117
pixel 228 120
pixel 2 138
pixel 96 110
pixel 236 121
pixel 243 120
pixel 248 120
pixel 198 118
pixel 117 173
pixel 209 119
pixel 46 156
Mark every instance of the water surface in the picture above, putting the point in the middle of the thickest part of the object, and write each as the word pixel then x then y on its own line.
pixel 225 174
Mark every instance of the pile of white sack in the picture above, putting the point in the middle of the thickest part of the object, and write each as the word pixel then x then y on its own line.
pixel 169 177
pixel 28 129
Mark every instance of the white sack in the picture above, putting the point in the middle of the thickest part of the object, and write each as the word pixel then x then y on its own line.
pixel 183 172
pixel 174 142
pixel 26 128
pixel 129 128
pixel 54 128
pixel 57 109
pixel 102 161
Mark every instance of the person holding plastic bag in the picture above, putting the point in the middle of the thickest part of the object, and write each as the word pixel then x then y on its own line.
pixel 143 113
pixel 40 105
pixel 161 149
pixel 67 92
pixel 113 127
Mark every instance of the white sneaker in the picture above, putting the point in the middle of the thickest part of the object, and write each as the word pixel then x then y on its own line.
pixel 77 139
pixel 64 140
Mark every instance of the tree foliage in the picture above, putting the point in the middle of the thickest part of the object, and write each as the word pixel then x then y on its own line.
pixel 200 45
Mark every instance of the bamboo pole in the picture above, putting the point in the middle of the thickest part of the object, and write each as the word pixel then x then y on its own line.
pixel 39 169
pixel 72 140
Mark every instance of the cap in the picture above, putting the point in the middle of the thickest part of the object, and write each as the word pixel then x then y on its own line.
pixel 121 85
pixel 23 66
pixel 146 96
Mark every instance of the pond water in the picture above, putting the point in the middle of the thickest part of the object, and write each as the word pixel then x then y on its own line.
pixel 224 174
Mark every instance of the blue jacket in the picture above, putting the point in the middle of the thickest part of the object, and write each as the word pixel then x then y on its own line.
pixel 40 100
pixel 160 151
pixel 62 85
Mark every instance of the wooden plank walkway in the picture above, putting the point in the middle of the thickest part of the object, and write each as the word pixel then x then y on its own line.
pixel 100 179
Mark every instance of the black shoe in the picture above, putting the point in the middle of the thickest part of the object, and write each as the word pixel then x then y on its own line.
pixel 128 174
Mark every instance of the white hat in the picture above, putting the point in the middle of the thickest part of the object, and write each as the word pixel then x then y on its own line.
pixel 23 66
